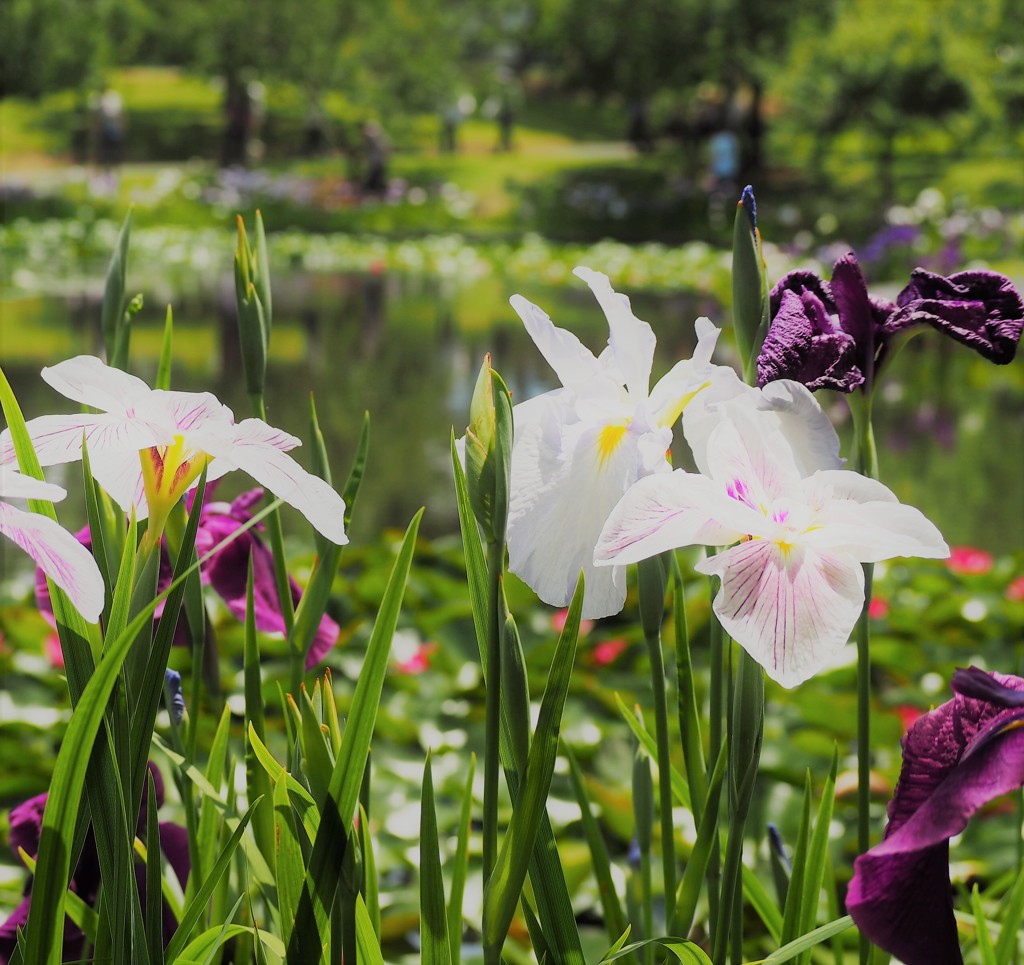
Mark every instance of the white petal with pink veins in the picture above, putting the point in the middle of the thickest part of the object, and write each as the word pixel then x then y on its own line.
pixel 58 438
pixel 60 556
pixel 91 381
pixel 665 511
pixel 791 610
pixel 751 460
pixel 257 449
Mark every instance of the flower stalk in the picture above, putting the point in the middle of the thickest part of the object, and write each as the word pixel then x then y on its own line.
pixel 866 457
pixel 488 450
pixel 652 584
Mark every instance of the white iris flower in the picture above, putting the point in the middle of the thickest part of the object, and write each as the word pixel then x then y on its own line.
pixel 798 529
pixel 147 447
pixel 579 448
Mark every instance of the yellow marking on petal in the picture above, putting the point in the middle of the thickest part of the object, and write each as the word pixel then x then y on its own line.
pixel 167 472
pixel 609 439
pixel 671 414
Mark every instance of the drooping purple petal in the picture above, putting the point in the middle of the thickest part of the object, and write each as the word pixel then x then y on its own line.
pixel 26 824
pixel 936 744
pixel 974 682
pixel 74 938
pixel 981 309
pixel 227 572
pixel 956 758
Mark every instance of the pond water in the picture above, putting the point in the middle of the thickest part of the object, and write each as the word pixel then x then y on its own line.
pixel 950 426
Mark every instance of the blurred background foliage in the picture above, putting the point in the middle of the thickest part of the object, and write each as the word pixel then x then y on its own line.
pixel 883 97
pixel 895 127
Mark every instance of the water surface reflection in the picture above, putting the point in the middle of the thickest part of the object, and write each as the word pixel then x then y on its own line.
pixel 951 428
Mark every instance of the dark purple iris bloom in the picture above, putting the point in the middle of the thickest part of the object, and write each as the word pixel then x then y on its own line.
pixel 826 336
pixel 836 336
pixel 981 309
pixel 227 572
pixel 956 759
pixel 26 826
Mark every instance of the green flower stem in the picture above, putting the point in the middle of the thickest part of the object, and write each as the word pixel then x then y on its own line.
pixel 643 814
pixel 144 589
pixel 297 660
pixel 492 721
pixel 746 731
pixel 866 457
pixel 652 607
pixel 688 708
pixel 716 715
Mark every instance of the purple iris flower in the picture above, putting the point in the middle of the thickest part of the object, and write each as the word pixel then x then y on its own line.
pixel 981 309
pixel 26 825
pixel 836 336
pixel 956 759
pixel 227 572
pixel 825 336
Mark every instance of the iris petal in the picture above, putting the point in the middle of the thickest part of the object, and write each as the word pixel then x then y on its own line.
pixel 981 309
pixel 573 363
pixel 791 609
pixel 257 449
pixel 664 511
pixel 562 493
pixel 631 340
pixel 90 381
pixel 58 438
pixel 59 555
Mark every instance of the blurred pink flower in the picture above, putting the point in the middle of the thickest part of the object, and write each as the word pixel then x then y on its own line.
pixel 1015 591
pixel 608 651
pixel 968 561
pixel 53 650
pixel 878 608
pixel 419 661
pixel 558 622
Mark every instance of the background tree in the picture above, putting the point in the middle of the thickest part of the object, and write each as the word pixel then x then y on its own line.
pixel 884 69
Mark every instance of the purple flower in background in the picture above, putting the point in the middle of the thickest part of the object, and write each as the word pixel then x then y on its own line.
pixel 956 759
pixel 26 826
pixel 827 336
pixel 888 239
pixel 836 336
pixel 227 572
pixel 981 309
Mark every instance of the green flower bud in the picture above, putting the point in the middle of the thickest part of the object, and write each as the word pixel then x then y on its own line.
pixel 489 452
pixel 749 284
pixel 252 294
